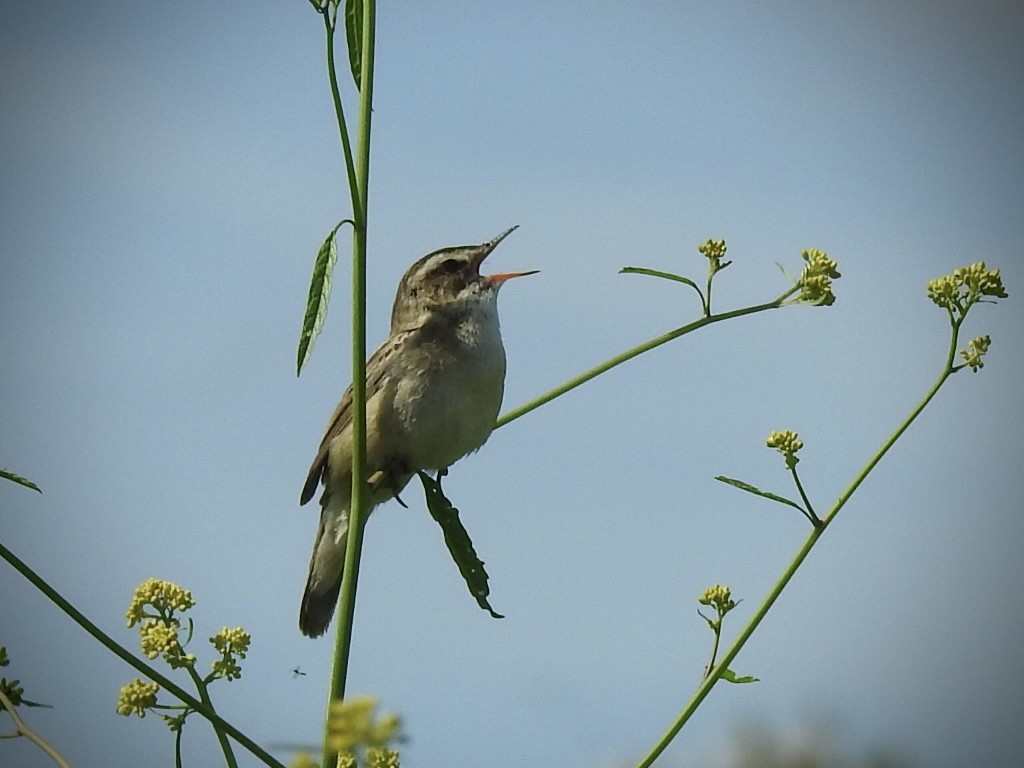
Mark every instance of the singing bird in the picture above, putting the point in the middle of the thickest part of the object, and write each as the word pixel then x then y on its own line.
pixel 433 391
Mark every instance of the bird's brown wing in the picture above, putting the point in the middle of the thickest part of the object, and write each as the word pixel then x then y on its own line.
pixel 378 369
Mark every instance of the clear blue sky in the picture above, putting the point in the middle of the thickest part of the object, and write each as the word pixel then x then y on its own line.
pixel 167 172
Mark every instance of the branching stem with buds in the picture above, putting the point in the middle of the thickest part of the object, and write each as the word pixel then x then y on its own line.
pixel 956 293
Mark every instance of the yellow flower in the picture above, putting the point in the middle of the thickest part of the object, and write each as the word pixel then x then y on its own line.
pixel 817 276
pixel 351 723
pixel 158 637
pixel 136 697
pixel 234 641
pixel 958 291
pixel 718 596
pixel 164 596
pixel 787 441
pixel 381 758
pixel 976 349
pixel 715 251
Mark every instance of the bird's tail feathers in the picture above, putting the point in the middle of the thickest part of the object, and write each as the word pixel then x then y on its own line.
pixel 325 568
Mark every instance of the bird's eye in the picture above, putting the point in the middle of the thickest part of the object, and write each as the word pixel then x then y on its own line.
pixel 449 267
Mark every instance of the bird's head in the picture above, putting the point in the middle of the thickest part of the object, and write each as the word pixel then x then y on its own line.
pixel 448 280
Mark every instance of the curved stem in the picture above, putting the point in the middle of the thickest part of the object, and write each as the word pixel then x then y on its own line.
pixel 111 645
pixel 339 113
pixel 28 733
pixel 709 682
pixel 636 351
pixel 714 648
pixel 808 511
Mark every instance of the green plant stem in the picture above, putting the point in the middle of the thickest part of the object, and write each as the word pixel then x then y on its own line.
pixel 204 696
pixel 628 355
pixel 339 113
pixel 178 763
pixel 111 645
pixel 808 511
pixel 709 681
pixel 22 729
pixel 357 508
pixel 714 647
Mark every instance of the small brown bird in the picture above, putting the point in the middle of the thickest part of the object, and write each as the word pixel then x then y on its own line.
pixel 433 391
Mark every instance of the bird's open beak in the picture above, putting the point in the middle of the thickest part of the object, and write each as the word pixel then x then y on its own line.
pixel 502 277
pixel 486 250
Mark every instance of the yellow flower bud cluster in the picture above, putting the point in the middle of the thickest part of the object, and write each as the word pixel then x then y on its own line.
pixel 956 292
pixel 235 641
pixel 381 757
pixel 232 645
pixel 136 697
pixel 164 597
pixel 715 252
pixel 159 637
pixel 817 276
pixel 351 724
pixel 718 596
pixel 788 443
pixel 976 349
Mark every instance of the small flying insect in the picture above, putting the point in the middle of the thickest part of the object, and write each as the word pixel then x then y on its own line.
pixel 297 673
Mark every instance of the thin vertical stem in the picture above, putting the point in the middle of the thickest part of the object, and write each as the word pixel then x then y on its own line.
pixel 339 113
pixel 357 508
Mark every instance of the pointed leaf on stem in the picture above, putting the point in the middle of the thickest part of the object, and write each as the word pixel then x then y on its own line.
pixel 712 623
pixel 731 677
pixel 669 276
pixel 319 295
pixel 658 273
pixel 354 35
pixel 8 475
pixel 459 544
pixel 757 491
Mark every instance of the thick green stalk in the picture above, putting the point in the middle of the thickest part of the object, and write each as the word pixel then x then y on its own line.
pixel 357 508
pixel 709 682
pixel 111 645
pixel 636 351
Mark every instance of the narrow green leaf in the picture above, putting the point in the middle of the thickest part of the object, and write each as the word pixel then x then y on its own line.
pixel 319 296
pixel 459 544
pixel 7 475
pixel 757 491
pixel 354 34
pixel 782 269
pixel 731 677
pixel 27 703
pixel 712 623
pixel 657 273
